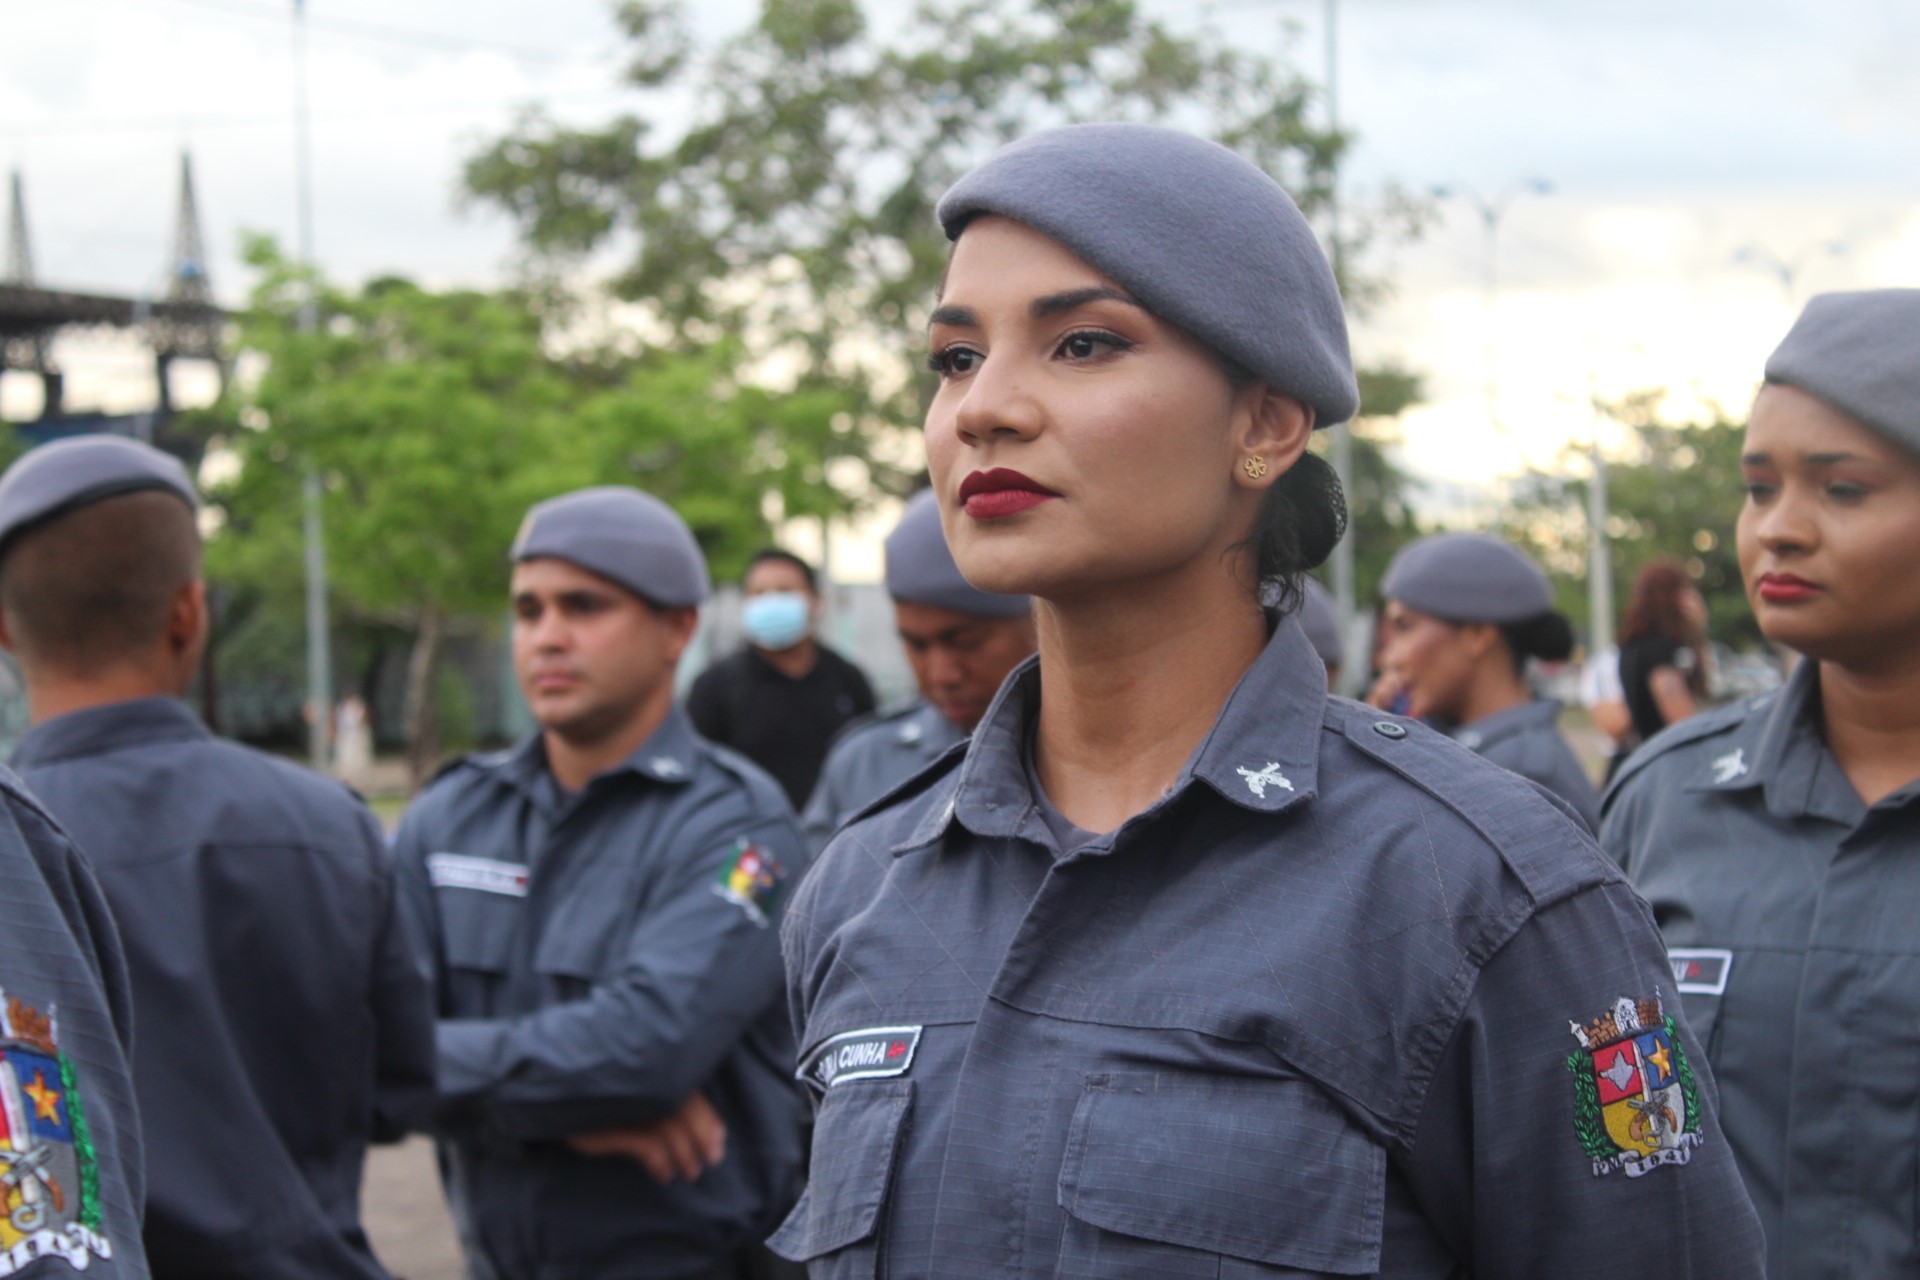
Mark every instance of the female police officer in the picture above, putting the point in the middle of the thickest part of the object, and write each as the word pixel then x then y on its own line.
pixel 1184 968
pixel 1776 838
pixel 1465 612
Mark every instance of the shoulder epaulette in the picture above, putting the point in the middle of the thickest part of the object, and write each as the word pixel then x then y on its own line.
pixel 1694 728
pixel 937 768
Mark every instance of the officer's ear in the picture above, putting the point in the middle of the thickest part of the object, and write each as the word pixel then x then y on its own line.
pixel 680 625
pixel 1480 638
pixel 187 625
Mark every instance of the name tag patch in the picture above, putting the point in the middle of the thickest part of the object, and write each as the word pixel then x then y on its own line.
pixel 872 1054
pixel 487 875
pixel 1700 971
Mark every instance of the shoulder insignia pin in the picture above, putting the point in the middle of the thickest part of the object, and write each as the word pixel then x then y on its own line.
pixel 751 880
pixel 49 1176
pixel 1730 766
pixel 1636 1100
pixel 1258 780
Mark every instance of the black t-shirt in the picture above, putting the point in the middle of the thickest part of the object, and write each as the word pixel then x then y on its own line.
pixel 1640 657
pixel 782 724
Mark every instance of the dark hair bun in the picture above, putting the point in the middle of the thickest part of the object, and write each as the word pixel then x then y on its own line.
pixel 1548 636
pixel 1303 515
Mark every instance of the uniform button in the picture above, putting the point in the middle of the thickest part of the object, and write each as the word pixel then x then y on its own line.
pixel 1388 729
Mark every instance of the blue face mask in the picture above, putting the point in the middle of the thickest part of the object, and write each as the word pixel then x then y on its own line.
pixel 776 620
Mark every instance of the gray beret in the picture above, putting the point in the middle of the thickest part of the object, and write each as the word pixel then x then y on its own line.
pixel 920 567
pixel 622 534
pixel 1196 233
pixel 1859 353
pixel 1468 577
pixel 57 478
pixel 1320 621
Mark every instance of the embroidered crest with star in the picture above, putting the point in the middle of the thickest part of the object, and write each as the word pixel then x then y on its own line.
pixel 1636 1101
pixel 751 879
pixel 49 1175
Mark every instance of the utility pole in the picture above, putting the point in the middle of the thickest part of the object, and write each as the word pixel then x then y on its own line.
pixel 319 646
pixel 1599 561
pixel 1491 211
pixel 1343 577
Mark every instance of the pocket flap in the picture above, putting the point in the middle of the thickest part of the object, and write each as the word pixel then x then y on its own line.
pixel 856 1139
pixel 1268 1171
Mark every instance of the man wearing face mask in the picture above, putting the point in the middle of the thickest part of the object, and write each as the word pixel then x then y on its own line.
pixel 780 700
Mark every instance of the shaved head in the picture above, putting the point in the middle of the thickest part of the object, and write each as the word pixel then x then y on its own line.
pixel 94 588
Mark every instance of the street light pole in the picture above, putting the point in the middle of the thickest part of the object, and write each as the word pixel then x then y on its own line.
pixel 319 648
pixel 1787 271
pixel 1491 211
pixel 1343 576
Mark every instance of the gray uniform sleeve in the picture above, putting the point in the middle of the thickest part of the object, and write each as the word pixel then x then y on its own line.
pixel 1512 1158
pixel 698 969
pixel 402 1004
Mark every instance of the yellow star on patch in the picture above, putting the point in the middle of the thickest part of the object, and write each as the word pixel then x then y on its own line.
pixel 1662 1059
pixel 46 1102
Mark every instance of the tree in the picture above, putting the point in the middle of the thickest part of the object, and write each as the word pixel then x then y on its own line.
pixel 435 419
pixel 1675 492
pixel 795 214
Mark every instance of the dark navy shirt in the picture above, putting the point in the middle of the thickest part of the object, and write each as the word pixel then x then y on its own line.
pixel 1527 740
pixel 598 958
pixel 284 1012
pixel 1349 1000
pixel 1792 915
pixel 70 1150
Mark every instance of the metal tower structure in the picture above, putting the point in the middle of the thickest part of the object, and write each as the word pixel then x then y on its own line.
pixel 190 328
pixel 24 351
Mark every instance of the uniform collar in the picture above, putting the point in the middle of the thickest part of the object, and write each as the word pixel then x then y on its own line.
pixel 1262 753
pixel 1779 748
pixel 1536 713
pixel 112 726
pixel 926 728
pixel 669 755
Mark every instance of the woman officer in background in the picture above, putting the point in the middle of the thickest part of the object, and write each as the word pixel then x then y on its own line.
pixel 1779 838
pixel 1185 968
pixel 1466 612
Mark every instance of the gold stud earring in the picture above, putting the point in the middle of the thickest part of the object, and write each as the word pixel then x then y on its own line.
pixel 1255 467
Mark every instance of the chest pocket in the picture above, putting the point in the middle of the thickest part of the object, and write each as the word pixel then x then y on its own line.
pixel 478 929
pixel 836 1227
pixel 1173 1175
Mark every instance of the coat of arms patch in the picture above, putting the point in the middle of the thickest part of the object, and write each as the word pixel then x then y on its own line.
pixel 1636 1101
pixel 750 879
pixel 49 1178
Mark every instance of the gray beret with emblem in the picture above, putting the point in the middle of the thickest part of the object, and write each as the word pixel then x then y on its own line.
pixel 1859 353
pixel 67 474
pixel 1468 577
pixel 920 567
pixel 1196 233
pixel 621 534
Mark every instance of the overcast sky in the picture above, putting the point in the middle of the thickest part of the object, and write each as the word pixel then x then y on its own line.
pixel 1674 136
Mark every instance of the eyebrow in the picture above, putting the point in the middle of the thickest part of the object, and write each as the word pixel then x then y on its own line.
pixel 1040 308
pixel 1053 304
pixel 1813 459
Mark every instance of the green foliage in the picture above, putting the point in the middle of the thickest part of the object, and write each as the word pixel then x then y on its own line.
pixel 1589 1125
pixel 1675 493
pixel 1683 1072
pixel 795 214
pixel 434 419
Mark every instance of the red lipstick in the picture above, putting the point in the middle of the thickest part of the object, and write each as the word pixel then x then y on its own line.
pixel 1785 588
pixel 1001 492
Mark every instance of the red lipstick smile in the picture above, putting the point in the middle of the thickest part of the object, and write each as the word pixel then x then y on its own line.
pixel 1001 492
pixel 1785 588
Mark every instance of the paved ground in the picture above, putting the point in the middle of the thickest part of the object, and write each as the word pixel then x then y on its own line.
pixel 406 1216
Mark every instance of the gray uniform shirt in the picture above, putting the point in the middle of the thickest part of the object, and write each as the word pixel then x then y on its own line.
pixel 1527 740
pixel 870 759
pixel 1792 917
pixel 284 1011
pixel 69 1130
pixel 599 957
pixel 1312 1013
